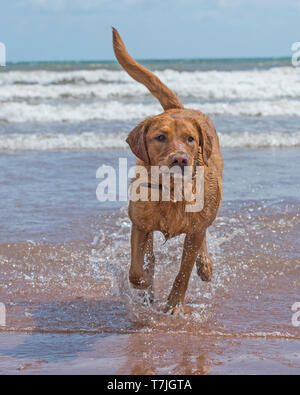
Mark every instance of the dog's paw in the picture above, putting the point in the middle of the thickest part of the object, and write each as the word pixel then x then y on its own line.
pixel 139 281
pixel 204 268
pixel 175 311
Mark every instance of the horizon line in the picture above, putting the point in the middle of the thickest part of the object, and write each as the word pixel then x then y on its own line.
pixel 149 60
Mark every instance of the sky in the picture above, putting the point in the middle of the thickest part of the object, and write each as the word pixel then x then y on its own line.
pixel 49 30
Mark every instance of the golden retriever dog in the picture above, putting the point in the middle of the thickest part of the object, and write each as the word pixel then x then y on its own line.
pixel 181 137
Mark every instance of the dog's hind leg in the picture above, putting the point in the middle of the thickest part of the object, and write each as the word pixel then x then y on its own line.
pixel 204 263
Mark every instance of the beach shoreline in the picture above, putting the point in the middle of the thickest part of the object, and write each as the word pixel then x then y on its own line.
pixel 148 354
pixel 64 256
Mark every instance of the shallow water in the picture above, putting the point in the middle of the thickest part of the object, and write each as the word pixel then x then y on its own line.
pixel 64 271
pixel 64 256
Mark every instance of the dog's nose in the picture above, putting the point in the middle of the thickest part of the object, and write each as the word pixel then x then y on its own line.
pixel 179 160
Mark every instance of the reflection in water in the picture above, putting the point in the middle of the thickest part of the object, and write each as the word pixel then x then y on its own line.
pixel 160 353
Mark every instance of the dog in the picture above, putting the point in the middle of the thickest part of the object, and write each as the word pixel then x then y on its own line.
pixel 181 137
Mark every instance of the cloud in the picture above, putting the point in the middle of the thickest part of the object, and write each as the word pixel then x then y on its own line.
pixel 229 3
pixel 259 3
pixel 46 4
pixel 59 5
pixel 215 5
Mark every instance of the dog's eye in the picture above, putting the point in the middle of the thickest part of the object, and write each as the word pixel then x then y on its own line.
pixel 161 137
pixel 190 139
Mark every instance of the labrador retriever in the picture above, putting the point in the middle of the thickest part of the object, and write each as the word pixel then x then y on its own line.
pixel 181 137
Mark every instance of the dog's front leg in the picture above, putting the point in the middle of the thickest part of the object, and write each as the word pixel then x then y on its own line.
pixel 204 263
pixel 141 273
pixel 176 298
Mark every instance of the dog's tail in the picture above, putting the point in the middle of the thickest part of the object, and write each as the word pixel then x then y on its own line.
pixel 166 97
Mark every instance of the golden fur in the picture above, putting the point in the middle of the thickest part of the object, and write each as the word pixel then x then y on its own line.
pixel 187 134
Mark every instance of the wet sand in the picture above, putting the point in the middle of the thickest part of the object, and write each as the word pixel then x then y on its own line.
pixel 70 308
pixel 147 354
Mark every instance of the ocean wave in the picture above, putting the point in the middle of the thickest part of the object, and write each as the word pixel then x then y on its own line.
pixel 114 110
pixel 96 141
pixel 44 77
pixel 252 84
pixel 23 112
pixel 99 90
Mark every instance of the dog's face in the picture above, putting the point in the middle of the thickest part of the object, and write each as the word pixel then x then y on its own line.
pixel 172 142
pixel 169 140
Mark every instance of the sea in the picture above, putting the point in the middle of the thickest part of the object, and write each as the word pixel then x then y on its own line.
pixel 64 255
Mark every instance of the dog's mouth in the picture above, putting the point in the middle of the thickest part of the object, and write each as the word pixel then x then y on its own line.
pixel 176 173
pixel 181 165
pixel 174 168
pixel 179 160
pixel 178 169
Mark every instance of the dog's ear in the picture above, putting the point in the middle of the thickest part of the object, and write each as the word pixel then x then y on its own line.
pixel 137 141
pixel 205 140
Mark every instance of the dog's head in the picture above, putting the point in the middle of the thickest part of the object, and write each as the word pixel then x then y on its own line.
pixel 174 138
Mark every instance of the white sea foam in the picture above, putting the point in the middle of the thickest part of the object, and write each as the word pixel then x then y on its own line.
pixel 98 141
pixel 23 112
pixel 281 82
pixel 80 91
pixel 60 141
pixel 260 140
pixel 45 77
pixel 113 110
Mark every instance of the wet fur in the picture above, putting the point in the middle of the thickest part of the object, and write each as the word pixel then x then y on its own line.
pixel 168 217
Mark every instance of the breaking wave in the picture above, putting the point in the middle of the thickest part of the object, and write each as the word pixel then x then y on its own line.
pixel 114 110
pixel 98 141
pixel 280 82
